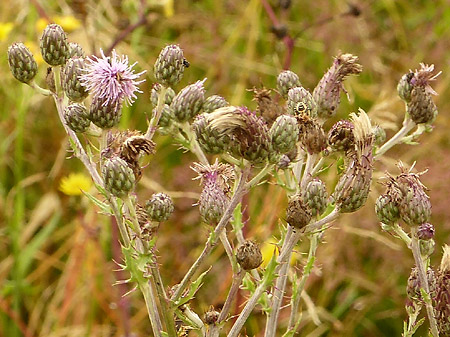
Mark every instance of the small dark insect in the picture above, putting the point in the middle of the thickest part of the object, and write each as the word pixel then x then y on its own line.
pixel 300 108
pixel 186 63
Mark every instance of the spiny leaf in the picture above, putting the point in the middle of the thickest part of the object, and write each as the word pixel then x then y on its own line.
pixel 237 219
pixel 193 288
pixel 105 208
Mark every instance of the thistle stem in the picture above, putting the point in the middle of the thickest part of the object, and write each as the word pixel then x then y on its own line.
pixel 155 118
pixel 408 125
pixel 261 174
pixel 401 233
pixel 151 309
pixel 310 160
pixel 212 241
pixel 39 89
pixel 294 320
pixel 227 246
pixel 237 280
pixel 278 292
pixel 423 280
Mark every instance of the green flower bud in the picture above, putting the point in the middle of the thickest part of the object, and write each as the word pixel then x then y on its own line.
pixel 210 140
pixel 404 87
pixel 55 49
pixel 300 101
pixel 316 196
pixel 249 255
pixel 170 65
pixel 421 108
pixel 188 102
pixel 426 247
pixel 75 50
pixel 170 94
pixel 213 202
pixel 21 62
pixel 298 213
pixel 414 206
pixel 76 117
pixel 387 209
pixel 287 80
pixel 166 116
pixel 118 176
pixel 159 207
pixel 284 133
pixel 341 137
pixel 70 79
pixel 214 102
pixel 103 115
pixel 379 135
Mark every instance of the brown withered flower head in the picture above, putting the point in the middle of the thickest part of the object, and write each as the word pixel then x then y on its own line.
pixel 129 146
pixel 327 92
pixel 267 108
pixel 442 299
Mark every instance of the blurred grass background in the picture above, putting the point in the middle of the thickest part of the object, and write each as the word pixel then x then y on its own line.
pixel 57 253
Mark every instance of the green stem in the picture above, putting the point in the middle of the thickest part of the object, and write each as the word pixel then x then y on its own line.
pixel 408 125
pixel 423 281
pixel 39 89
pixel 261 174
pixel 155 118
pixel 151 309
pixel 401 233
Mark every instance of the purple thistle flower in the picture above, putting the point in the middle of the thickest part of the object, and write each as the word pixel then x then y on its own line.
pixel 111 78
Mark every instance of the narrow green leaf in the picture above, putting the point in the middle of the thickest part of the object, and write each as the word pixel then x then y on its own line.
pixel 105 208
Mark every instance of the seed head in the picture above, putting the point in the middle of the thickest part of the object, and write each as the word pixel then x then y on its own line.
pixel 341 137
pixel 188 102
pixel 21 62
pixel 327 92
pixel 311 135
pixel 70 79
pixel 249 255
pixel 160 207
pixel 211 316
pixel 170 65
pixel 76 117
pixel 111 78
pixel 287 80
pixel 298 213
pixel 267 107
pixel 55 49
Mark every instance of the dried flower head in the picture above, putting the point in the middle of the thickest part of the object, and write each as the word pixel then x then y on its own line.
pixel 111 78
pixel 442 299
pixel 249 255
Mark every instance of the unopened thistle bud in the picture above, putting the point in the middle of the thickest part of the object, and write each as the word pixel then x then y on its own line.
pixel 341 137
pixel 118 176
pixel 414 205
pixel 170 65
pixel 188 102
pixel 426 248
pixel 442 298
pixel 55 49
pixel 386 209
pixel 249 255
pixel 166 116
pixel 156 88
pixel 404 87
pixel 425 231
pixel 379 135
pixel 316 196
pixel 284 133
pixel 70 79
pixel 287 80
pixel 327 92
pixel 414 285
pixel 300 101
pixel 210 140
pixel 76 117
pixel 214 198
pixel 105 114
pixel 298 212
pixel 214 102
pixel 75 50
pixel 159 207
pixel 21 62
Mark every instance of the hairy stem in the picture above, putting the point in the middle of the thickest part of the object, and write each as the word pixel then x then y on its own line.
pixel 212 241
pixel 151 309
pixel 408 125
pixel 423 280
pixel 155 118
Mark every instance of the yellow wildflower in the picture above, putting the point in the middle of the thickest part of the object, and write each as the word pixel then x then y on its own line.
pixel 269 248
pixel 168 8
pixel 5 29
pixel 75 183
pixel 68 23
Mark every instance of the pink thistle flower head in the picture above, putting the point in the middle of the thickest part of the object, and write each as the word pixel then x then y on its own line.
pixel 111 78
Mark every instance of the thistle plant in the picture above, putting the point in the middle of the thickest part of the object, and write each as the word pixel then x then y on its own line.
pixel 284 139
